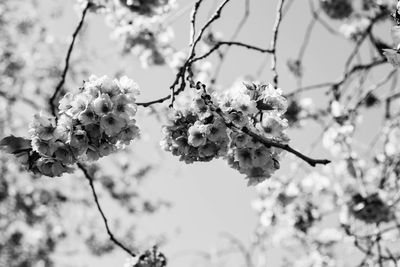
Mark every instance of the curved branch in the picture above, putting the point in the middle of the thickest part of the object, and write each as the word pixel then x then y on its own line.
pixel 52 100
pixel 96 199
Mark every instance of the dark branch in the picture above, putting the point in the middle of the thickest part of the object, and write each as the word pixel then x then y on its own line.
pixel 271 143
pixel 219 44
pixel 52 100
pixel 273 41
pixel 96 199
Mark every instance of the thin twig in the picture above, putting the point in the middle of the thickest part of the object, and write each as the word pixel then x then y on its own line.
pixel 306 39
pixel 96 199
pixel 275 31
pixel 270 143
pixel 219 44
pixel 216 16
pixel 308 88
pixel 53 98
pixel 233 38
pixel 193 21
pixel 320 20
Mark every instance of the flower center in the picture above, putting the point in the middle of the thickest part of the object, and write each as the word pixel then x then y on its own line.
pixel 111 121
pixel 105 109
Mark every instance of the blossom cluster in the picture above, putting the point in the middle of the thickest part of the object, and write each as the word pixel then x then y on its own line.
pixel 196 134
pixel 146 38
pixel 148 7
pixel 370 209
pixel 260 108
pixel 337 9
pixel 141 27
pixel 212 127
pixel 358 19
pixel 150 258
pixel 291 212
pixel 92 123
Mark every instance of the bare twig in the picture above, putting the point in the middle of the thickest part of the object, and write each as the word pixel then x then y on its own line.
pixel 216 16
pixel 219 44
pixel 193 21
pixel 233 38
pixel 275 31
pixel 316 15
pixel 96 199
pixel 242 248
pixel 52 100
pixel 308 88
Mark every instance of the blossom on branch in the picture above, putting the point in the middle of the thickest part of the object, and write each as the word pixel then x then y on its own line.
pixel 92 123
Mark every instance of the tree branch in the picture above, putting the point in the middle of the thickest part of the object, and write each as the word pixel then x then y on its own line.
pixel 229 43
pixel 273 41
pixel 96 199
pixel 52 100
pixel 270 143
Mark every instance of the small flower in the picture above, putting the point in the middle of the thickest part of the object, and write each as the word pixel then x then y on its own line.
pixel 102 104
pixel 245 104
pixel 196 136
pixel 108 86
pixel 199 105
pixel 240 140
pixel 208 150
pixel 238 118
pixel 217 131
pixel 51 167
pixel 78 141
pixel 271 98
pixel 65 102
pixel 262 157
pixel 128 134
pixel 106 149
pixel 88 116
pixel 43 127
pixel 93 131
pixel 92 154
pixel 80 104
pixel 43 147
pixel 273 126
pixel 245 157
pixel 64 154
pixel 123 107
pixel 128 86
pixel 111 124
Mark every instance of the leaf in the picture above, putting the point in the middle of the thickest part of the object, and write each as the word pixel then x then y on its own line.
pixel 15 145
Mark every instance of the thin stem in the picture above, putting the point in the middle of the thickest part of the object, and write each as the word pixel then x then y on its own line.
pixel 270 143
pixel 52 100
pixel 219 44
pixel 96 199
pixel 274 40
